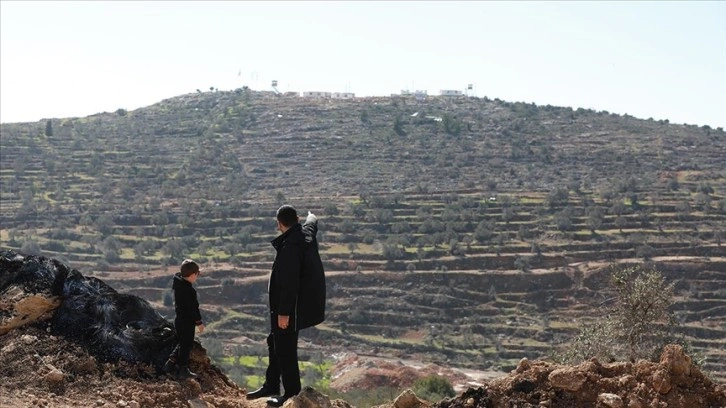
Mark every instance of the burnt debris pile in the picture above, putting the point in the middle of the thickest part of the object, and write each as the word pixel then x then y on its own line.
pixel 112 326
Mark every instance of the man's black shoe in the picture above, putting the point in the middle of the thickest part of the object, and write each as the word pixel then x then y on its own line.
pixel 262 392
pixel 277 401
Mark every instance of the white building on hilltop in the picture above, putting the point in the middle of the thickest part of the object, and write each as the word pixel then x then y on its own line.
pixel 451 92
pixel 315 94
pixel 328 95
pixel 419 94
pixel 343 95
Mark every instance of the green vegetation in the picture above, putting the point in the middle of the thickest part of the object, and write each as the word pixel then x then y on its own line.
pixel 249 371
pixel 636 325
pixel 433 388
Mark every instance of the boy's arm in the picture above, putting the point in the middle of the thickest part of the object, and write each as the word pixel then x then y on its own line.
pixel 190 305
pixel 195 311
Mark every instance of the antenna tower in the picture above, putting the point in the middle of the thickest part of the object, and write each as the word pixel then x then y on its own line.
pixel 274 86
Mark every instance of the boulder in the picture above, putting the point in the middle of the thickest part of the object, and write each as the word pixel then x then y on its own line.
pixel 661 381
pixel 568 378
pixel 675 361
pixel 408 399
pixel 610 400
pixel 309 398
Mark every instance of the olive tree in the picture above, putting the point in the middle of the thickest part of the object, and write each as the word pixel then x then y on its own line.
pixel 637 325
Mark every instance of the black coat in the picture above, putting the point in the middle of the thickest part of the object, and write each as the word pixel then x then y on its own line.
pixel 186 304
pixel 297 281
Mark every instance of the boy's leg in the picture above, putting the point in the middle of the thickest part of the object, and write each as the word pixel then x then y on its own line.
pixel 185 332
pixel 171 363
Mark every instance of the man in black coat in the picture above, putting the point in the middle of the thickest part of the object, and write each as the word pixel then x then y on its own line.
pixel 297 301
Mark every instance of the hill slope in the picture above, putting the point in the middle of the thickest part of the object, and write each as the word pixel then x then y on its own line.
pixel 467 231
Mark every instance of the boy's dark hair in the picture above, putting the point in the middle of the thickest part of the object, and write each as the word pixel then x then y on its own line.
pixel 188 268
pixel 287 215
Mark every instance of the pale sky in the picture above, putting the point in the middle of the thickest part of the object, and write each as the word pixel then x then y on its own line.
pixel 665 60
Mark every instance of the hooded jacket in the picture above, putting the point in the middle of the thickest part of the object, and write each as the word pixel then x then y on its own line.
pixel 186 304
pixel 297 281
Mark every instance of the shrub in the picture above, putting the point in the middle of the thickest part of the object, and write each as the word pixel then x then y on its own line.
pixel 451 125
pixel 398 126
pixel 433 388
pixel 637 325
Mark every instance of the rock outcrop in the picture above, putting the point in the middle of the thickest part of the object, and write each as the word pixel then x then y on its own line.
pixel 673 382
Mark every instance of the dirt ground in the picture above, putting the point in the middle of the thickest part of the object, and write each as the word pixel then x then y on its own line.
pixel 46 371
pixel 40 370
pixel 672 382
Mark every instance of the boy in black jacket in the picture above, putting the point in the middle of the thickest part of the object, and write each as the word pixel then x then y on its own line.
pixel 187 318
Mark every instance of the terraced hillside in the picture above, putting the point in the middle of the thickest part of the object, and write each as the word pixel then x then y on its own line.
pixel 466 230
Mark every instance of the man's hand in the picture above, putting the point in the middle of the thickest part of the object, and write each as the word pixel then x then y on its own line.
pixel 283 321
pixel 201 328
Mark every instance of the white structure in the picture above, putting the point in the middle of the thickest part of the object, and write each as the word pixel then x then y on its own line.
pixel 450 92
pixel 416 93
pixel 328 95
pixel 470 91
pixel 317 95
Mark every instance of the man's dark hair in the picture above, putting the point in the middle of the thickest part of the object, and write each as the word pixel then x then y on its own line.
pixel 188 268
pixel 287 215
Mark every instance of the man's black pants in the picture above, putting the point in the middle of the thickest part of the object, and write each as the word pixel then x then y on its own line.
pixel 282 350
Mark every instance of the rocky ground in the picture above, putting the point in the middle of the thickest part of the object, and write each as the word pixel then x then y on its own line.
pixel 40 370
pixel 672 382
pixel 46 371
